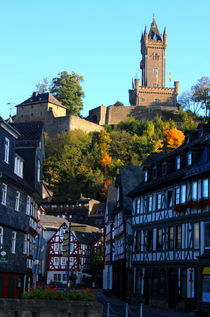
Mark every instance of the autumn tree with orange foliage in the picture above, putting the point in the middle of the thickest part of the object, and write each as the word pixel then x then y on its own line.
pixel 174 138
pixel 105 141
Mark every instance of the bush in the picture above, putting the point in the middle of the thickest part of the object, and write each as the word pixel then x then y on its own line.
pixel 52 293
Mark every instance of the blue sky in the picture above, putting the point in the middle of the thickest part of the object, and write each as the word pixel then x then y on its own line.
pixel 99 40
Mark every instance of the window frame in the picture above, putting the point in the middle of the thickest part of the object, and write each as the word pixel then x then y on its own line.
pixel 189 158
pixel 6 150
pixel 4 194
pixel 17 201
pixel 14 237
pixel 1 236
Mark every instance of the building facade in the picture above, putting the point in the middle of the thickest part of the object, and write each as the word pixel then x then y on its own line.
pixel 170 222
pixel 20 198
pixel 48 110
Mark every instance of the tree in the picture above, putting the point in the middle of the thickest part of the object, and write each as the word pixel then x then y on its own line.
pixel 43 87
pixel 67 89
pixel 198 98
pixel 118 103
pixel 201 93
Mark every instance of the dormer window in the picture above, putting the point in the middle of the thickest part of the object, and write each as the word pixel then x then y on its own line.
pixel 164 168
pixel 178 162
pixel 146 176
pixel 189 158
pixel 154 171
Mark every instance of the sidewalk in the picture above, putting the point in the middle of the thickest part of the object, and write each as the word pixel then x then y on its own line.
pixel 117 308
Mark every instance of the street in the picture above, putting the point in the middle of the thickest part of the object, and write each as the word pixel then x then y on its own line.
pixel 117 308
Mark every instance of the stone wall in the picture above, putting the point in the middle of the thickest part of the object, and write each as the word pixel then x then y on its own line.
pixel 115 114
pixel 84 125
pixel 49 308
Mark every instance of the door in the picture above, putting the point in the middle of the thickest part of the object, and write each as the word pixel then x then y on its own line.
pixel 172 288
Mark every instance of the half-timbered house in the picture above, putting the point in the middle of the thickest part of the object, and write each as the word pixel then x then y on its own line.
pixel 171 225
pixel 118 237
pixel 70 250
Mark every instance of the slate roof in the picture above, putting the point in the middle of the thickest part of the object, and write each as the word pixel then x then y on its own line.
pixel 130 178
pixel 154 32
pixel 41 98
pixel 111 200
pixel 87 237
pixel 30 132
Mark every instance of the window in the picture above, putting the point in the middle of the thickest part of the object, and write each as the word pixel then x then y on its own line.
pixel 64 277
pixel 158 201
pixel 56 247
pixel 156 100
pixel 155 70
pixel 177 195
pixel 183 193
pixel 178 162
pixel 196 236
pixel 194 191
pixel 25 244
pixel 55 277
pixel 6 150
pixel 13 241
pixel 149 240
pixel 189 158
pixel 138 241
pixel 56 261
pixel 38 171
pixel 154 172
pixel 205 188
pixel 170 198
pixel 207 235
pixel 164 168
pixel 150 203
pixel 159 239
pixel 1 236
pixel 63 261
pixel 137 206
pixel 178 237
pixel 28 205
pixel 187 138
pixel 18 169
pixel 146 175
pixel 4 194
pixel 171 238
pixel 17 201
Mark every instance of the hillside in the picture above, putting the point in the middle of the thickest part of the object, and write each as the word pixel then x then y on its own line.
pixel 86 163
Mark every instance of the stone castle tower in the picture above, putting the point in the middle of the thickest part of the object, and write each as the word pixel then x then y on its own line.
pixel 152 90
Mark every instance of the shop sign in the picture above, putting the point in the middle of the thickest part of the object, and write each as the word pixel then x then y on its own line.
pixel 206 270
pixel 4 256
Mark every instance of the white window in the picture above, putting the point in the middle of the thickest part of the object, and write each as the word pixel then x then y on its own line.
pixel 177 195
pixel 1 236
pixel 28 205
pixel 63 261
pixel 178 162
pixel 4 194
pixel 13 241
pixel 56 260
pixel 18 169
pixel 25 244
pixel 194 191
pixel 6 150
pixel 183 193
pixel 189 158
pixel 205 188
pixel 146 176
pixel 56 247
pixel 196 236
pixel 38 171
pixel 17 201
